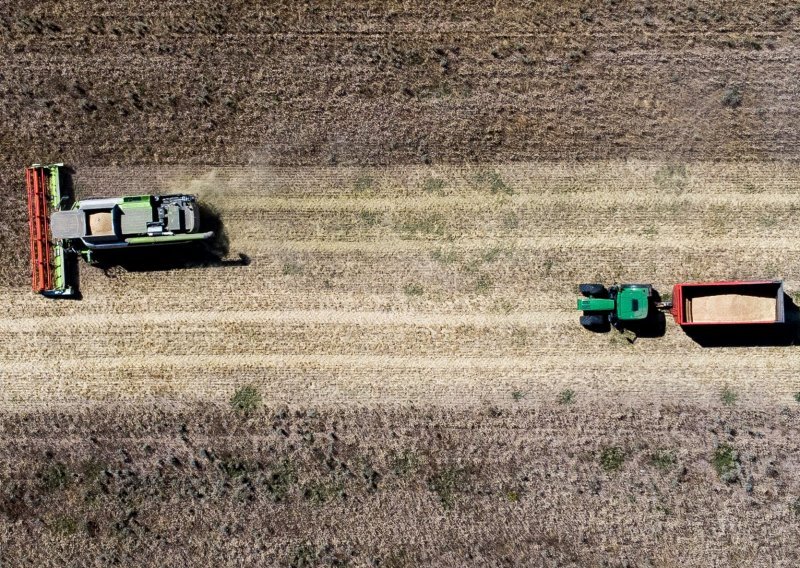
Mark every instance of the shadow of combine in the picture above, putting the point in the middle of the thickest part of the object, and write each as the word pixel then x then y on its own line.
pixel 758 335
pixel 66 186
pixel 193 254
pixel 73 271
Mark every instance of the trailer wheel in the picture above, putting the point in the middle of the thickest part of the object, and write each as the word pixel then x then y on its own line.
pixel 593 321
pixel 593 290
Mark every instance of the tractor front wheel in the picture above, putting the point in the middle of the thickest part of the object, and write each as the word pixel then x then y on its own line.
pixel 594 321
pixel 593 290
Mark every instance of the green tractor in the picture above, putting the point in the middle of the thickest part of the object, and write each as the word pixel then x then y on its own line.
pixel 621 306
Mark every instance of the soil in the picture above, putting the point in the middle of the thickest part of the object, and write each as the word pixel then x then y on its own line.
pixel 405 196
pixel 399 486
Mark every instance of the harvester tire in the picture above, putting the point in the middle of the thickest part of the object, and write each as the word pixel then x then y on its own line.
pixel 593 290
pixel 593 321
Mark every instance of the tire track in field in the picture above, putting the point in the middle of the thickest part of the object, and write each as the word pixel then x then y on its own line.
pixel 99 322
pixel 451 381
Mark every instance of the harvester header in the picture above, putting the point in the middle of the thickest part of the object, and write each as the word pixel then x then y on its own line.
pixel 48 256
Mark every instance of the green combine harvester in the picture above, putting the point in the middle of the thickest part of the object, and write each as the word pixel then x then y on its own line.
pixel 60 231
pixel 622 306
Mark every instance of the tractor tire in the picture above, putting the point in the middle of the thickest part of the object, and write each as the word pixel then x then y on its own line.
pixel 597 290
pixel 594 321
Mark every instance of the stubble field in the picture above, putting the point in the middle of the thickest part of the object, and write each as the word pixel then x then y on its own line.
pixel 409 194
pixel 445 285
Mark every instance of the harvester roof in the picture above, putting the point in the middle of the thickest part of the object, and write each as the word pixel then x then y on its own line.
pixel 134 217
pixel 69 224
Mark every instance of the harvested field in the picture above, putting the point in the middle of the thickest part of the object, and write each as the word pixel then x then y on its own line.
pixel 384 359
pixel 368 286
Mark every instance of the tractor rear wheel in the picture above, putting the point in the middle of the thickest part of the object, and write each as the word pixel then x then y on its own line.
pixel 593 290
pixel 593 321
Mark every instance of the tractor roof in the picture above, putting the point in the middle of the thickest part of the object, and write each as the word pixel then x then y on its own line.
pixel 633 303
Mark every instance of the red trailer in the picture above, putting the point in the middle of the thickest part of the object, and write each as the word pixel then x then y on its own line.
pixel 700 305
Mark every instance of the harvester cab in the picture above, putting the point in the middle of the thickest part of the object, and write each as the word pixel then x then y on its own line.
pixel 618 306
pixel 60 230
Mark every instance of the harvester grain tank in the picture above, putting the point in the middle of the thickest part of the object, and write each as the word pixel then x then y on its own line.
pixel 59 230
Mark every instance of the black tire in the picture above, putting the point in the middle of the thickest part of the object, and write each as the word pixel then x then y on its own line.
pixel 593 290
pixel 594 321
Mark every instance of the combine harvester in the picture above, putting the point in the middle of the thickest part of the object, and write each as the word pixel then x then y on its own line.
pixel 60 231
pixel 696 306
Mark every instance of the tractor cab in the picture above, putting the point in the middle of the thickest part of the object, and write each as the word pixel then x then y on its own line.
pixel 633 301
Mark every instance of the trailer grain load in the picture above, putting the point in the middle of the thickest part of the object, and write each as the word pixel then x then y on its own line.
pixel 728 303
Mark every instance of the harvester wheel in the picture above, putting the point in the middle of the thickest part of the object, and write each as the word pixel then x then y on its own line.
pixel 597 290
pixel 593 321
